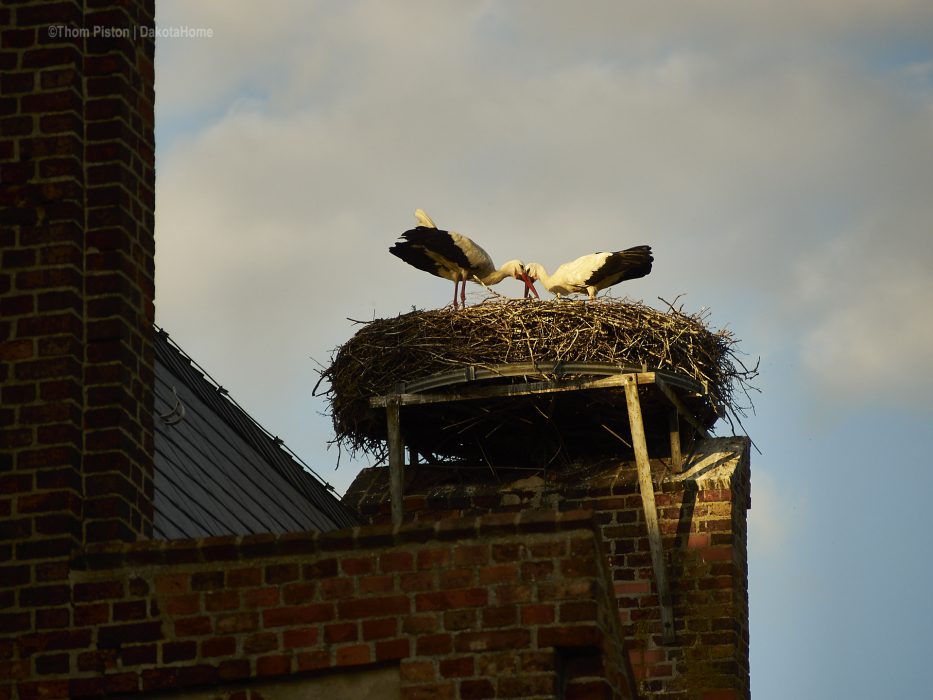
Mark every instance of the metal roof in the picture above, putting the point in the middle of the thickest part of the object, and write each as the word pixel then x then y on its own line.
pixel 217 471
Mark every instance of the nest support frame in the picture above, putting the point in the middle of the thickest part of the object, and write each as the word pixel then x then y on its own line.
pixel 529 416
pixel 465 385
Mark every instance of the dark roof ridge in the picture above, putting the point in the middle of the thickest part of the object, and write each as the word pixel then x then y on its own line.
pixel 289 465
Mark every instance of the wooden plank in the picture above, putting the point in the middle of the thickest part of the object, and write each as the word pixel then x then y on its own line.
pixel 651 513
pixel 505 390
pixel 471 392
pixel 472 373
pixel 396 458
pixel 680 406
pixel 673 427
pixel 691 386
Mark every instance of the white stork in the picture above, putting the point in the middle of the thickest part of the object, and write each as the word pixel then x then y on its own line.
pixel 453 256
pixel 590 273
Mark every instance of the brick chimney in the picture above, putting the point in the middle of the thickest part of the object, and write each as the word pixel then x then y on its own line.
pixel 76 295
pixel 702 514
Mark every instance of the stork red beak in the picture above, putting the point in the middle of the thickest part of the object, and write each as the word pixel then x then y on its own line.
pixel 529 286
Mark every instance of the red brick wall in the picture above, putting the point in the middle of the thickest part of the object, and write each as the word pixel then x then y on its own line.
pixel 76 308
pixel 77 164
pixel 119 163
pixel 507 605
pixel 702 516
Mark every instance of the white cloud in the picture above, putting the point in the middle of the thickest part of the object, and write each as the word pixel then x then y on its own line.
pixel 870 306
pixel 745 159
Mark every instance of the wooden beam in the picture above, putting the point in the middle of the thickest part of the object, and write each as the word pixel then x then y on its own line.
pixel 474 391
pixel 673 427
pixel 473 373
pixel 651 513
pixel 662 384
pixel 396 458
pixel 506 390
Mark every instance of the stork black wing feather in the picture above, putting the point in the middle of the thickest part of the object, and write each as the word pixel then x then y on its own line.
pixel 422 238
pixel 415 255
pixel 628 264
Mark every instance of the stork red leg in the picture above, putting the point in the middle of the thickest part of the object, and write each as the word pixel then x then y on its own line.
pixel 463 294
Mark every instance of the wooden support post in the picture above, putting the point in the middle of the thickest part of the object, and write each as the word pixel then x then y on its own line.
pixel 396 458
pixel 681 408
pixel 651 514
pixel 673 426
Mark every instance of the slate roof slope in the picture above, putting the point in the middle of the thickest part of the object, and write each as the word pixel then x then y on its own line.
pixel 217 471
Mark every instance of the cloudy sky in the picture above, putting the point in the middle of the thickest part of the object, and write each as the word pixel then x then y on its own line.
pixel 778 157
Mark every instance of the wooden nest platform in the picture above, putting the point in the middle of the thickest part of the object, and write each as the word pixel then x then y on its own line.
pixel 530 383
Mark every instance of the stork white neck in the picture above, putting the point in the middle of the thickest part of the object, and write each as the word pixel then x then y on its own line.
pixel 537 272
pixel 513 268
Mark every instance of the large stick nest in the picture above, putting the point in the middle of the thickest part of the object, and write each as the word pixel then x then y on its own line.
pixel 414 345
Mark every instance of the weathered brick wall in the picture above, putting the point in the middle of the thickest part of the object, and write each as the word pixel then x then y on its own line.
pixel 76 308
pixel 77 274
pixel 702 514
pixel 507 605
pixel 119 287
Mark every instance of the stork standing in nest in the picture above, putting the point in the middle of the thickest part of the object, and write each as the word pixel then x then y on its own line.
pixel 590 273
pixel 455 257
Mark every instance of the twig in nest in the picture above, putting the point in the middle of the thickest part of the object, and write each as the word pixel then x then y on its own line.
pixel 414 345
